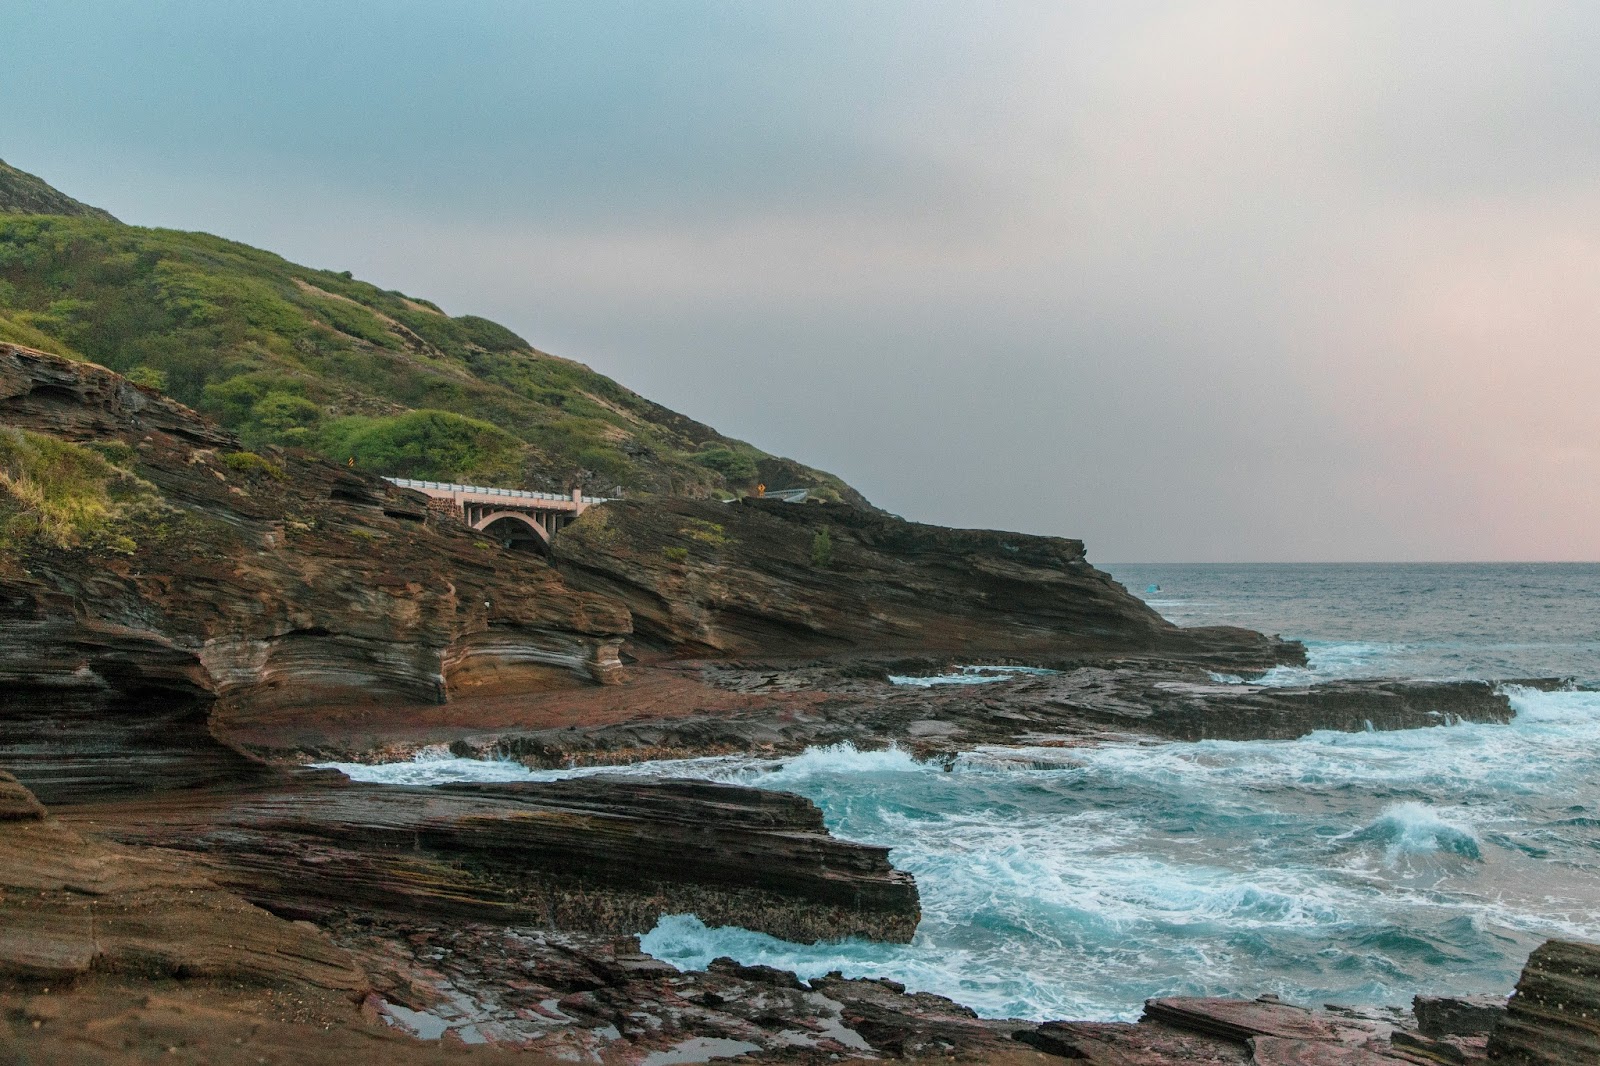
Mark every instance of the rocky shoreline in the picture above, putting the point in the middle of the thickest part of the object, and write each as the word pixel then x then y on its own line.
pixel 172 877
pixel 112 953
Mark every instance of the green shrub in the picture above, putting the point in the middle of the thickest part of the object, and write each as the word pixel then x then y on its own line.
pixel 421 444
pixel 230 326
pixel 148 376
pixel 734 465
pixel 490 335
pixel 264 408
pixel 253 465
pixel 352 319
pixel 698 529
pixel 278 412
pixel 114 452
pixel 234 399
pixel 822 548
pixel 677 555
pixel 18 328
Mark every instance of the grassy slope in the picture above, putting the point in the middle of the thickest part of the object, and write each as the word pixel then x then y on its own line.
pixel 22 193
pixel 290 356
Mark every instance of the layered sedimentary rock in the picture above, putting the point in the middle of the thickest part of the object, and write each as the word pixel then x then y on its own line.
pixel 821 703
pixel 249 585
pixel 759 578
pixel 1191 710
pixel 601 854
pixel 1554 1017
pixel 1197 1031
pixel 71 906
pixel 1446 1016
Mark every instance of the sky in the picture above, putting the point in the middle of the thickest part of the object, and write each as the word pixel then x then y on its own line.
pixel 1266 281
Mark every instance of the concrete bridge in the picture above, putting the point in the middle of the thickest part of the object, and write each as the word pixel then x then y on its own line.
pixel 516 517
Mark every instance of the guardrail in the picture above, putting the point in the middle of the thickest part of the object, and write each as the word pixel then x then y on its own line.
pixel 486 490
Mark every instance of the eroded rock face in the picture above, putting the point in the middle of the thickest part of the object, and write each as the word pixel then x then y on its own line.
pixel 17 804
pixel 598 854
pixel 1214 1031
pixel 261 584
pixel 753 579
pixel 70 905
pixel 1554 1017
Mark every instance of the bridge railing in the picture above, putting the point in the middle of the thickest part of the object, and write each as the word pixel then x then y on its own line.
pixel 486 490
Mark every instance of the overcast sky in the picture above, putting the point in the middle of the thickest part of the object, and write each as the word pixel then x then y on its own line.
pixel 1191 281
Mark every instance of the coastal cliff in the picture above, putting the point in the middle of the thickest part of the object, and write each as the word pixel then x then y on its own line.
pixel 770 579
pixel 179 582
pixel 183 601
pixel 163 589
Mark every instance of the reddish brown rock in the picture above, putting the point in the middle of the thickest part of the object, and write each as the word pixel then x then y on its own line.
pixel 1434 1050
pixel 71 905
pixel 1278 1051
pixel 261 586
pixel 17 804
pixel 112 1024
pixel 1239 1019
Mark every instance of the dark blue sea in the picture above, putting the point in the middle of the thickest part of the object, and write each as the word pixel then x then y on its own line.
pixel 1345 868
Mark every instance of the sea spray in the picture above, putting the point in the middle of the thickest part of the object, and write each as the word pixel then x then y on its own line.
pixel 1339 867
pixel 969 675
pixel 1413 828
pixel 433 766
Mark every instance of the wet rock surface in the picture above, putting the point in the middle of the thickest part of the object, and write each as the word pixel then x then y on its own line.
pixel 792 707
pixel 1262 1032
pixel 1553 1018
pixel 1446 1016
pixel 596 854
pixel 111 954
pixel 586 996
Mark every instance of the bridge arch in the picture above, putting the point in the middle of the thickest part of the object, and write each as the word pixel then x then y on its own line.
pixel 514 528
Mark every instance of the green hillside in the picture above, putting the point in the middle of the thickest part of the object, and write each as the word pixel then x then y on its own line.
pixel 23 194
pixel 290 356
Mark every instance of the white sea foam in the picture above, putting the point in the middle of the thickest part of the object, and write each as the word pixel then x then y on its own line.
pixel 969 675
pixel 1413 828
pixel 1365 866
pixel 439 767
pixel 433 768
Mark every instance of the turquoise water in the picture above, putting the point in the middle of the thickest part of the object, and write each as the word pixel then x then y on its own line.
pixel 1336 868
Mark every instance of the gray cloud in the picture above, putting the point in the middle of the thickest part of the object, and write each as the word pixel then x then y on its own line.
pixel 1192 281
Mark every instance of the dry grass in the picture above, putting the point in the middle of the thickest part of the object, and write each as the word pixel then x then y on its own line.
pixel 64 495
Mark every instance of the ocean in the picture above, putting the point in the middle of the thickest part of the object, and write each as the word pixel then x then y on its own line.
pixel 1338 868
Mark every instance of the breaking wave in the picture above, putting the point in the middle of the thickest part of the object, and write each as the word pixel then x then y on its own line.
pixel 1338 867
